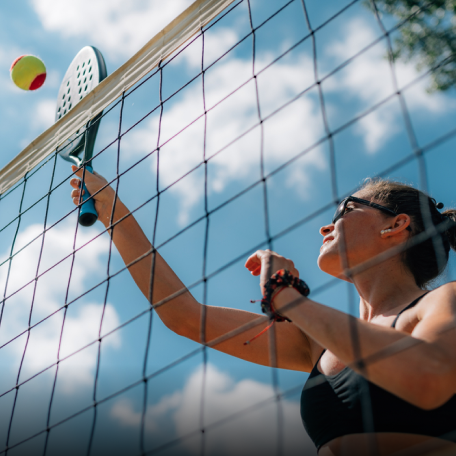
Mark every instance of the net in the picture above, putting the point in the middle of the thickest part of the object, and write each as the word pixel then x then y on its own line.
pixel 240 127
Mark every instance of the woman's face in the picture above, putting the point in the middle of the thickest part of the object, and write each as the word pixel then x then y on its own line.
pixel 354 238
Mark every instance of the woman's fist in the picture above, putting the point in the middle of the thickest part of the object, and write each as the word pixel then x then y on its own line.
pixel 94 183
pixel 265 263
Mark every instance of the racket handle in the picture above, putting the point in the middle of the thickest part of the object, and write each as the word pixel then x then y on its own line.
pixel 88 215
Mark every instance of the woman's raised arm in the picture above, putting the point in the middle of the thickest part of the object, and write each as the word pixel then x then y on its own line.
pixel 182 314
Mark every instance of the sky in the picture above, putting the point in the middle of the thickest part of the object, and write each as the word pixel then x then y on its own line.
pixel 370 135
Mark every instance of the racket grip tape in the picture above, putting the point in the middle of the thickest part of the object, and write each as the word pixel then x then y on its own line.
pixel 88 215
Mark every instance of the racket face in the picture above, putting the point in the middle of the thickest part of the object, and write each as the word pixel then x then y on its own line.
pixel 85 72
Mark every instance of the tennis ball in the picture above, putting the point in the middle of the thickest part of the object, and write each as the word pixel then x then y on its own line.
pixel 28 72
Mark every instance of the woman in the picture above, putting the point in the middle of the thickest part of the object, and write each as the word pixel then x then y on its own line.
pixel 383 383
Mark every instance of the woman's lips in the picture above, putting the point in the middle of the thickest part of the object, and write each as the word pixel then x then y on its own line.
pixel 327 241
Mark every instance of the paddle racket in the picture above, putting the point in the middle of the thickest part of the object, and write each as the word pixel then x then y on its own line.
pixel 86 71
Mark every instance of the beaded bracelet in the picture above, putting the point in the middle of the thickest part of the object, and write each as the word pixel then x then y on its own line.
pixel 281 278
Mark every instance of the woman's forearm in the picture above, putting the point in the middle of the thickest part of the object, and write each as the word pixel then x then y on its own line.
pixel 417 364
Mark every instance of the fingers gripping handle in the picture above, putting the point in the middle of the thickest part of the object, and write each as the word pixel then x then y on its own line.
pixel 88 215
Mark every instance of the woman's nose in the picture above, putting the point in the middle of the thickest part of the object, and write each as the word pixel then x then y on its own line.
pixel 325 230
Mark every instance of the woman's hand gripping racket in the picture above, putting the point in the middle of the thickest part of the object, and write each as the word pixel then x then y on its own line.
pixel 86 71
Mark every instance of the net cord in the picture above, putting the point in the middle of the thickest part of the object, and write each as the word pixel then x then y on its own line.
pixel 203 317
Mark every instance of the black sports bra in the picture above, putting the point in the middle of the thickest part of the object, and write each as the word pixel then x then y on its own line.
pixel 346 403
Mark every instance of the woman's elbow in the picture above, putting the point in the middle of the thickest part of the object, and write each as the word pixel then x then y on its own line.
pixel 182 317
pixel 183 328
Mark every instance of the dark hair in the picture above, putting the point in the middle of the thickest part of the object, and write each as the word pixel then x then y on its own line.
pixel 425 260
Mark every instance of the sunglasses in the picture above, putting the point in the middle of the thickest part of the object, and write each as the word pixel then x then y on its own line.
pixel 340 211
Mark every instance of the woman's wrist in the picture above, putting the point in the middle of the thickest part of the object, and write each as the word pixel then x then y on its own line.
pixel 275 288
pixel 285 300
pixel 276 292
pixel 282 278
pixel 105 213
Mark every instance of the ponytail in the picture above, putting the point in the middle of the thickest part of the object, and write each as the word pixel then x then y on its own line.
pixel 451 232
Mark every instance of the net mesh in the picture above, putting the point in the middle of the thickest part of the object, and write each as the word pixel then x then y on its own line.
pixel 246 138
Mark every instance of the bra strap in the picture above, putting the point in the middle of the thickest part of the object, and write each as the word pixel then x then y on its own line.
pixel 406 308
pixel 393 325
pixel 321 354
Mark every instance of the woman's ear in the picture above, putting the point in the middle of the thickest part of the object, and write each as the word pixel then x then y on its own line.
pixel 400 224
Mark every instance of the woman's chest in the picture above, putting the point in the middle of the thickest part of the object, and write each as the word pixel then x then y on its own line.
pixel 330 364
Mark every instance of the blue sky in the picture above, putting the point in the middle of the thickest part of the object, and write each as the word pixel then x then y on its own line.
pixel 300 184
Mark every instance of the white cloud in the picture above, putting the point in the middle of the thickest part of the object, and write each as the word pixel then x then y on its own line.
pixel 215 45
pixel 253 432
pixel 368 80
pixel 364 82
pixel 83 319
pixel 286 134
pixel 124 412
pixel 44 114
pixel 53 79
pixel 117 27
pixel 38 116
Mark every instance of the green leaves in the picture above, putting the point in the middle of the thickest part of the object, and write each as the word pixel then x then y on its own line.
pixel 427 36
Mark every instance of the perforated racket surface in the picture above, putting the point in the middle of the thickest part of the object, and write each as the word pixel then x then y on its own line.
pixel 85 72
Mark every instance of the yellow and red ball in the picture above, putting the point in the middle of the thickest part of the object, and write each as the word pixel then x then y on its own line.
pixel 28 72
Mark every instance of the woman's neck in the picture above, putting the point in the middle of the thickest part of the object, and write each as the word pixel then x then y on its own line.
pixel 385 288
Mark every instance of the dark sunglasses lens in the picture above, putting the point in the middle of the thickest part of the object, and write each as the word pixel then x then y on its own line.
pixel 339 212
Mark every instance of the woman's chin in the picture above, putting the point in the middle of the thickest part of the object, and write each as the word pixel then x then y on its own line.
pixel 330 264
pixel 332 268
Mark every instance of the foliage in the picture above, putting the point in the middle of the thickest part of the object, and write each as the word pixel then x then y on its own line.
pixel 427 36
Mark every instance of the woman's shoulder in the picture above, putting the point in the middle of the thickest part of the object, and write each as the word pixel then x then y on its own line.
pixel 441 300
pixel 441 295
